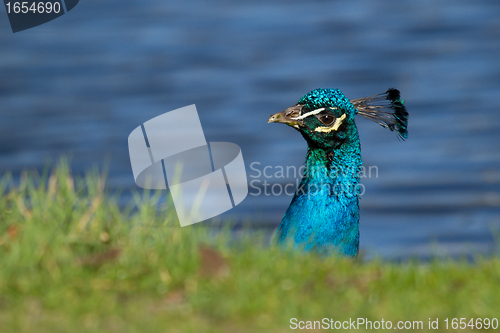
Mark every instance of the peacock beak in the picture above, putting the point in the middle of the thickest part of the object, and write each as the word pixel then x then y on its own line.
pixel 289 117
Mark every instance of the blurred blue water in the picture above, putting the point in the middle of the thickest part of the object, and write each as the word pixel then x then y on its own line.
pixel 80 84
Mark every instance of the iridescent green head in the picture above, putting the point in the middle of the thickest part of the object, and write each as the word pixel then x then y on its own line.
pixel 325 117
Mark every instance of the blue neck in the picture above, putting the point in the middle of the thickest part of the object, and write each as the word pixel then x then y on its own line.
pixel 324 213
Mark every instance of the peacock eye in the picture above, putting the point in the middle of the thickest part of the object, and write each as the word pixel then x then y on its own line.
pixel 326 119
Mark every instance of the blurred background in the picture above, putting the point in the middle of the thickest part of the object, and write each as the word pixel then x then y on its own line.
pixel 77 86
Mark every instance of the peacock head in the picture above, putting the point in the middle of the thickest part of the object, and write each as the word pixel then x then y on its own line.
pixel 325 117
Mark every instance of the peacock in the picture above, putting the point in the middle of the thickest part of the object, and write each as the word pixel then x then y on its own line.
pixel 324 213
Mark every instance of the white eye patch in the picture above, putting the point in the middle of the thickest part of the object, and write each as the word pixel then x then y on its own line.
pixel 333 127
pixel 310 113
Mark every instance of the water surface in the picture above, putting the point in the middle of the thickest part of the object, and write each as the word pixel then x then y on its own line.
pixel 79 85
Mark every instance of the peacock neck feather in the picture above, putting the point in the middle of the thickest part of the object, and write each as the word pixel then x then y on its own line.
pixel 324 213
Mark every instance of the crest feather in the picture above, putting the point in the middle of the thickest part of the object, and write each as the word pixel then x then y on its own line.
pixel 386 109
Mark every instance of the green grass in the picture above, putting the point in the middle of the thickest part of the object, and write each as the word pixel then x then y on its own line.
pixel 72 260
